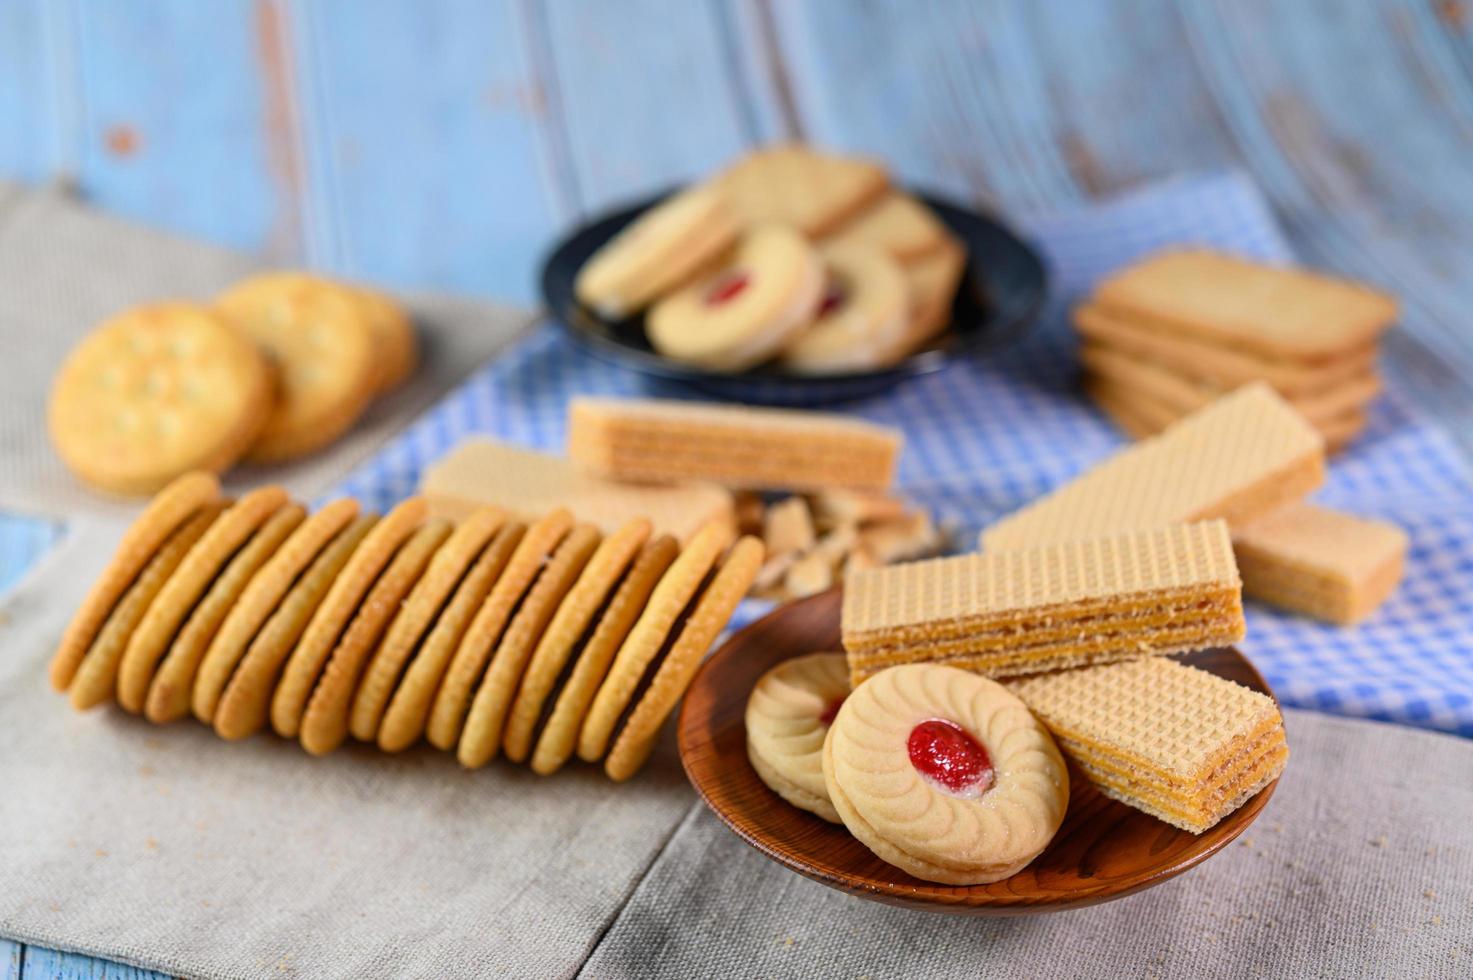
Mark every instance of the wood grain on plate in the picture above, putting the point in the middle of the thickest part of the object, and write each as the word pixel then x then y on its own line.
pixel 1104 850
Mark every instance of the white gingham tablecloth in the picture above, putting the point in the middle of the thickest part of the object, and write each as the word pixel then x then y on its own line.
pixel 985 437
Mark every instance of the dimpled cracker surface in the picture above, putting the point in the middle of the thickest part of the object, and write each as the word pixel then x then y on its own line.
pixel 1242 456
pixel 1273 310
pixel 917 600
pixel 1168 718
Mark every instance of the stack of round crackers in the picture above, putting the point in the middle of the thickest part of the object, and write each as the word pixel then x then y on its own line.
pixel 1173 333
pixel 809 259
pixel 492 636
pixel 277 367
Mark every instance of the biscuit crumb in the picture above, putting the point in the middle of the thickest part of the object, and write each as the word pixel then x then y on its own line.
pixel 1436 920
pixel 145 771
pixel 100 853
pixel 1248 842
pixel 1379 841
pixel 151 844
pixel 1429 893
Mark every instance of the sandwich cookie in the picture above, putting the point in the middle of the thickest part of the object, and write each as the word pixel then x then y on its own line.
pixel 788 715
pixel 945 775
pixel 745 312
pixel 863 318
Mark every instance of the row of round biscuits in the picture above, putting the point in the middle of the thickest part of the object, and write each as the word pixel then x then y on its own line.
pixel 254 612
pixel 728 285
pixel 276 367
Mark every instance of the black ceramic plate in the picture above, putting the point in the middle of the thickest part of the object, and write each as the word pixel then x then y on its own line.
pixel 999 299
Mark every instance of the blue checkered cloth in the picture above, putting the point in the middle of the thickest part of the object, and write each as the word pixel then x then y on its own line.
pixel 983 438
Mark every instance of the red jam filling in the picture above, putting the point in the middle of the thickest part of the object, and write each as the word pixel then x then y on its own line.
pixel 831 712
pixel 950 758
pixel 833 298
pixel 728 288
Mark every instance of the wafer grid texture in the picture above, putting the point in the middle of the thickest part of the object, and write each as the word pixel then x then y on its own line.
pixel 985 437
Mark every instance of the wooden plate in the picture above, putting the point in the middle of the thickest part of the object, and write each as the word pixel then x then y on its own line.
pixel 1002 289
pixel 1104 850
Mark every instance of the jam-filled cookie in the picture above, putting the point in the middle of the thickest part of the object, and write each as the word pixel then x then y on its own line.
pixel 863 318
pixel 788 715
pixel 658 251
pixel 944 774
pixel 745 312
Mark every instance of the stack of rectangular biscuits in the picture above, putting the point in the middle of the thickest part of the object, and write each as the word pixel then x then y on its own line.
pixel 1168 335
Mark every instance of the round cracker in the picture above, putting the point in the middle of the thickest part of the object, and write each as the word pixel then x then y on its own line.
pixel 169 691
pixel 185 587
pixel 417 616
pixel 568 625
pixel 174 505
pixel 260 599
pixel 241 710
pixel 323 347
pixel 447 714
pixel 480 738
pixel 304 666
pixel 705 624
pixel 560 734
pixel 96 679
pixel 155 392
pixel 409 706
pixel 676 589
pixel 394 337
pixel 325 720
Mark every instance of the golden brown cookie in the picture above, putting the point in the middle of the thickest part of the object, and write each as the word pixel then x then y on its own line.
pixel 863 319
pixel 712 613
pixel 164 515
pixel 746 311
pixel 795 185
pixel 323 348
pixel 788 714
pixel 325 721
pixel 676 589
pixel 480 739
pixel 242 706
pixel 446 570
pixel 304 666
pixel 898 224
pixel 409 705
pixel 452 700
pixel 96 678
pixel 560 734
pixel 169 691
pixel 933 282
pixel 259 600
pixel 184 588
pixel 568 626
pixel 396 345
pixel 156 392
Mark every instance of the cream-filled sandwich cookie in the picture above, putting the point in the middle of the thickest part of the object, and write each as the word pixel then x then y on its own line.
pixel 944 774
pixel 657 252
pixel 788 715
pixel 746 311
pixel 862 319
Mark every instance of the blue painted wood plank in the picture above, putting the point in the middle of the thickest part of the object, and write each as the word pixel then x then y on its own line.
pixel 23 540
pixel 10 959
pixel 29 112
pixel 185 124
pixel 648 93
pixel 50 964
pixel 427 161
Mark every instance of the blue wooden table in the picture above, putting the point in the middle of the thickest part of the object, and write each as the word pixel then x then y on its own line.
pixel 442 145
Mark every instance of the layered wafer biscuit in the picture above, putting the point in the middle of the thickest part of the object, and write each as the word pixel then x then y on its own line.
pixel 1271 311
pixel 527 484
pixel 1214 364
pixel 1179 743
pixel 1320 562
pixel 1241 457
pixel 734 445
pixel 1019 611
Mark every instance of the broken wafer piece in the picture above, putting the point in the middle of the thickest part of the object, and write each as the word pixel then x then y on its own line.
pixel 526 484
pixel 1320 562
pixel 1020 611
pixel 1176 742
pixel 787 527
pixel 1241 457
pixel 736 445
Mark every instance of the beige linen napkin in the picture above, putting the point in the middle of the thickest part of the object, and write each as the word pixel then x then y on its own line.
pixel 64 267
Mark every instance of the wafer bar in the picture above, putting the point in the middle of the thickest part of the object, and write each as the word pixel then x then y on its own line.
pixel 1320 562
pixel 1069 604
pixel 738 446
pixel 1241 457
pixel 1178 743
pixel 527 484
